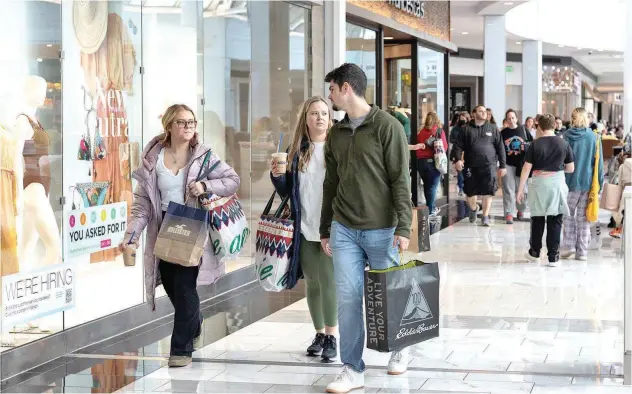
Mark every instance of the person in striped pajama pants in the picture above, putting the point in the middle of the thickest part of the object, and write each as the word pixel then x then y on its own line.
pixel 584 144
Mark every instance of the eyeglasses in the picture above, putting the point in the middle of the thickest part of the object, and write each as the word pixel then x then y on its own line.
pixel 186 123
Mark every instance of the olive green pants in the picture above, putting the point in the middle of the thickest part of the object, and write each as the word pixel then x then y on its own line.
pixel 318 269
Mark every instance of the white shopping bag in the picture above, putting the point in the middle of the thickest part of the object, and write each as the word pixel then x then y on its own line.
pixel 229 226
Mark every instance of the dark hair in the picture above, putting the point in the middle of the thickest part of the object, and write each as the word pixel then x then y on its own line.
pixel 546 122
pixel 510 111
pixel 529 117
pixel 351 74
pixel 455 118
pixel 558 118
pixel 478 106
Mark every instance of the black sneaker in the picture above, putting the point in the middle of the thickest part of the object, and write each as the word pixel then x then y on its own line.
pixel 317 346
pixel 330 349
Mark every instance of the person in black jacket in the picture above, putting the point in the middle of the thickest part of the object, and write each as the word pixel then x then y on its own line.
pixel 482 147
pixel 515 140
pixel 458 129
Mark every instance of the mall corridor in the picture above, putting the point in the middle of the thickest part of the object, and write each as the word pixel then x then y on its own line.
pixel 507 326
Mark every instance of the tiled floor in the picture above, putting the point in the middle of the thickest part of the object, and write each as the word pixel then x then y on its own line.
pixel 507 326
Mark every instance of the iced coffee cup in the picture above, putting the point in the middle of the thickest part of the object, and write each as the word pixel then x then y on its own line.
pixel 280 158
pixel 129 255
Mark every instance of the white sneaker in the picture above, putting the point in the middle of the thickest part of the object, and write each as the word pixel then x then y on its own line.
pixel 567 254
pixel 553 264
pixel 346 381
pixel 399 362
pixel 531 259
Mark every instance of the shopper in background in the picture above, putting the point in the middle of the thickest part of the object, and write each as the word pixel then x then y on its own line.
pixel 482 148
pixel 367 212
pixel 559 127
pixel 463 119
pixel 431 132
pixel 304 184
pixel 171 164
pixel 515 140
pixel 490 118
pixel 591 122
pixel 549 157
pixel 529 125
pixel 583 142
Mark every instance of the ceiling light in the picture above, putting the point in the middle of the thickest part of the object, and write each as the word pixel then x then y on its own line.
pixel 509 3
pixel 465 33
pixel 39 59
pixel 560 46
pixel 617 56
pixel 388 38
pixel 49 45
pixel 518 42
pixel 600 50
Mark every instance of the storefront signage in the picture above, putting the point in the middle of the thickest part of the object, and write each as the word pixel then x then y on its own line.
pixel 32 295
pixel 94 229
pixel 413 7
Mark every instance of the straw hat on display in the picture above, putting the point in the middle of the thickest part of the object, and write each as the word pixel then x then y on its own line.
pixel 90 20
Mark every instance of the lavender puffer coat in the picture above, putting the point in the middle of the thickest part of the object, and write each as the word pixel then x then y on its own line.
pixel 147 212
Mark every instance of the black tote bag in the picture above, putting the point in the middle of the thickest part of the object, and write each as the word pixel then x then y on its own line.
pixel 402 306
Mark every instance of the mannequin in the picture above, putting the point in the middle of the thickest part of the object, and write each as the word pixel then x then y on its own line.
pixel 37 216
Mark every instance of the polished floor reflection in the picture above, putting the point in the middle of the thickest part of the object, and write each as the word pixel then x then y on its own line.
pixel 507 326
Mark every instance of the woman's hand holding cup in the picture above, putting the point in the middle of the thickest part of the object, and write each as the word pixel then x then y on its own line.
pixel 279 164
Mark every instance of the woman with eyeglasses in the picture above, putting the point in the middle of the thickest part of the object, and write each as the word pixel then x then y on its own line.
pixel 171 164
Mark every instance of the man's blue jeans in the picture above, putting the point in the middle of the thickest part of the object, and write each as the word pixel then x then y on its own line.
pixel 352 250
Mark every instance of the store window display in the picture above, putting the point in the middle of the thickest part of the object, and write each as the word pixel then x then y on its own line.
pixel 29 168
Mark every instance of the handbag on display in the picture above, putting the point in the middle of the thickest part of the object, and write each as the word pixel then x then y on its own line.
pixel 440 157
pixel 184 232
pixel 228 224
pixel 99 146
pixel 401 305
pixel 273 254
pixel 592 209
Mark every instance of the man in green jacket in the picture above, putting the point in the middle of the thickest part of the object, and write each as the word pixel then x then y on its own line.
pixel 366 213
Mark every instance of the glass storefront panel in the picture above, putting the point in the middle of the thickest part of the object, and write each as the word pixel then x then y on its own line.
pixel 431 93
pixel 245 67
pixel 103 131
pixel 361 49
pixel 31 173
pixel 431 90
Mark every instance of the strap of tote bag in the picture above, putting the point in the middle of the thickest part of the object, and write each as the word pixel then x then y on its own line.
pixel 279 211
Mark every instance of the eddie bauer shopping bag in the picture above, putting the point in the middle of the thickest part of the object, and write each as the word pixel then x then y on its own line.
pixel 273 254
pixel 184 232
pixel 402 305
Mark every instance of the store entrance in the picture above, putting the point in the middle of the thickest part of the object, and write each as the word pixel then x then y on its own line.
pixel 399 80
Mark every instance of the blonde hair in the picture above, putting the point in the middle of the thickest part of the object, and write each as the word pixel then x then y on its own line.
pixel 301 132
pixel 432 119
pixel 169 117
pixel 579 118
